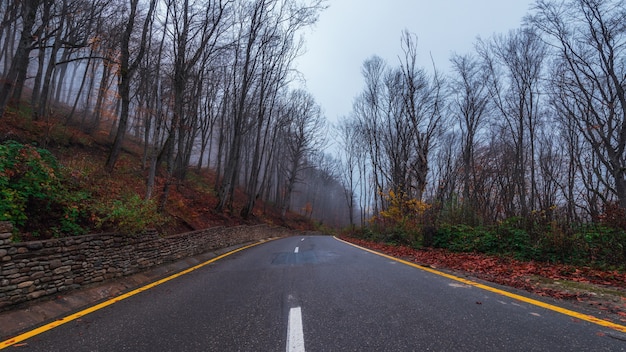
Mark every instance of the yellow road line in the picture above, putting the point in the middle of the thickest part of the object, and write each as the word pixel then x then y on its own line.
pixel 61 321
pixel 571 313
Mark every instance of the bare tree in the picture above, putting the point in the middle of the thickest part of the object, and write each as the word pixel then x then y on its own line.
pixel 249 27
pixel 10 11
pixel 445 173
pixel 264 30
pixel 515 63
pixel 13 82
pixel 128 67
pixel 399 116
pixel 277 54
pixel 470 99
pixel 302 135
pixel 55 31
pixel 213 101
pixel 590 79
pixel 368 110
pixel 350 151
pixel 196 45
pixel 423 103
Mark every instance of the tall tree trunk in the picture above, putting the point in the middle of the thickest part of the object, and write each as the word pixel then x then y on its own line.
pixel 87 111
pixel 41 58
pixel 19 63
pixel 8 32
pixel 60 75
pixel 69 117
pixel 127 70
pixel 291 182
pixel 123 90
pixel 102 91
pixel 40 109
pixel 230 172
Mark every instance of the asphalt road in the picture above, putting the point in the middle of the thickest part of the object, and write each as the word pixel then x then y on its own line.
pixel 320 294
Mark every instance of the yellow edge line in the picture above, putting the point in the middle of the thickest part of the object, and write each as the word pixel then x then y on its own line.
pixel 61 321
pixel 571 313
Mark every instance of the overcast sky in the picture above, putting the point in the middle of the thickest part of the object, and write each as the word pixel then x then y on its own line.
pixel 351 31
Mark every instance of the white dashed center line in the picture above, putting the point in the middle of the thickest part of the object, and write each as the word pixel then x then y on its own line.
pixel 295 336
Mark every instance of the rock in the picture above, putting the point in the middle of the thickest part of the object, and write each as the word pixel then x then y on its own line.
pixel 62 269
pixel 25 284
pixel 55 264
pixel 36 294
pixel 34 245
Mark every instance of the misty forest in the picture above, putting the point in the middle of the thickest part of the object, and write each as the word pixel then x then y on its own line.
pixel 520 147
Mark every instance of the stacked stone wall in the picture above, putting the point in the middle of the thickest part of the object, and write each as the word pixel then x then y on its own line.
pixel 31 270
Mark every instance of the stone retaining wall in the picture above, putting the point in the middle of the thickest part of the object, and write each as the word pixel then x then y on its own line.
pixel 30 270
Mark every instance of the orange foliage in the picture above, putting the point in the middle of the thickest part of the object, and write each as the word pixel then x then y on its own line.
pixel 401 212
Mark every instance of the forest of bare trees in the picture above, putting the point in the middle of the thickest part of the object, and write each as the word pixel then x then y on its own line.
pixel 529 125
pixel 200 83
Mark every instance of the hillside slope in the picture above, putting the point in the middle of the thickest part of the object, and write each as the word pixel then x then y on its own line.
pixel 82 156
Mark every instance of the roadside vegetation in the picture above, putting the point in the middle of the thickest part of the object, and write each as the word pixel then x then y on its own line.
pixel 600 244
pixel 53 184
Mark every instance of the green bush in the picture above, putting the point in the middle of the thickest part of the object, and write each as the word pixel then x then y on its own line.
pixel 465 238
pixel 75 213
pixel 501 239
pixel 513 239
pixel 34 195
pixel 603 245
pixel 586 244
pixel 28 176
pixel 457 238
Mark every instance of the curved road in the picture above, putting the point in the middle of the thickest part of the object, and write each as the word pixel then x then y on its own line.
pixel 319 294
